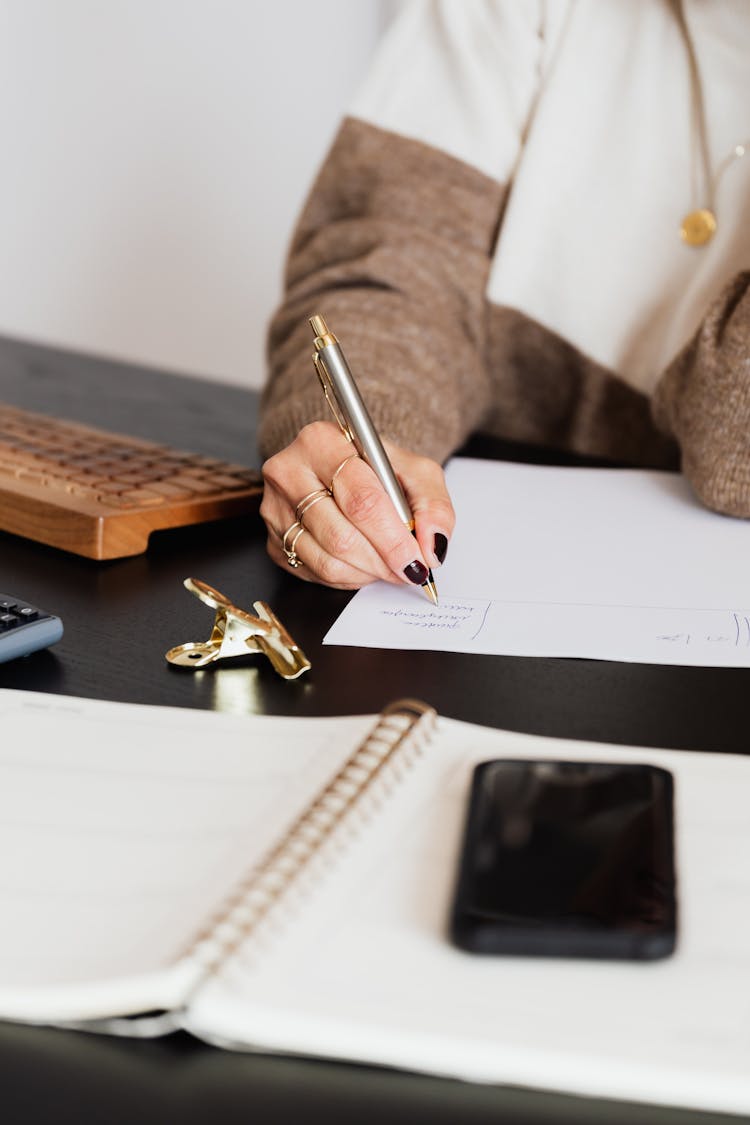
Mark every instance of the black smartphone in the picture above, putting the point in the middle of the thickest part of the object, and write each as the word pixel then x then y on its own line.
pixel 568 859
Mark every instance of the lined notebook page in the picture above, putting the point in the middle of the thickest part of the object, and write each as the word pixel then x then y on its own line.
pixel 122 828
pixel 365 971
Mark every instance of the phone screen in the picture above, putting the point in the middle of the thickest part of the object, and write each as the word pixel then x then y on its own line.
pixel 568 859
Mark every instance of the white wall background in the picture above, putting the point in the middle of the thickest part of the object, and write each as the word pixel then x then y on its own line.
pixel 153 156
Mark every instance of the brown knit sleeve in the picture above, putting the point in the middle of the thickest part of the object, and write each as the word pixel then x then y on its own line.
pixel 703 400
pixel 393 249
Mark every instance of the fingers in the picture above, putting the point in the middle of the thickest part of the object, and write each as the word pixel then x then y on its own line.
pixel 368 508
pixel 332 550
pixel 426 493
pixel 352 535
pixel 315 565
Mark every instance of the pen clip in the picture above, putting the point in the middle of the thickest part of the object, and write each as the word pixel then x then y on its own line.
pixel 330 393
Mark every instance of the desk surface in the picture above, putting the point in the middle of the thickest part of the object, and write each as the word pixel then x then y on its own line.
pixel 120 617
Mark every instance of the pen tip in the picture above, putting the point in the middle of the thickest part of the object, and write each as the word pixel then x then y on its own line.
pixel 431 589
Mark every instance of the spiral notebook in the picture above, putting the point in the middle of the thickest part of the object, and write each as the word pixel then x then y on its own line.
pixel 284 885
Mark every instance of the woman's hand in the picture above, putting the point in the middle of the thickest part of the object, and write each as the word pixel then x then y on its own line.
pixel 330 520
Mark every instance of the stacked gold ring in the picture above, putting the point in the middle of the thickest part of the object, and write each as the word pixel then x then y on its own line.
pixel 309 501
pixel 291 555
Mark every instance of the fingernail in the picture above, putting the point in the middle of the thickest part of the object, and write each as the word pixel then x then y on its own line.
pixel 441 547
pixel 416 572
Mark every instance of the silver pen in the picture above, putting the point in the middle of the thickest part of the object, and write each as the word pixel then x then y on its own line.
pixel 350 412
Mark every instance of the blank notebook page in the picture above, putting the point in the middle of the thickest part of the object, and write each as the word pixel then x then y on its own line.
pixel 123 827
pixel 365 969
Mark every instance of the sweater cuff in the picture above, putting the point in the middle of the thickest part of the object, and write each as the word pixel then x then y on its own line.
pixel 703 399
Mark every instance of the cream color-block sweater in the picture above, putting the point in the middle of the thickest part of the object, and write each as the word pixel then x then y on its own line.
pixel 494 238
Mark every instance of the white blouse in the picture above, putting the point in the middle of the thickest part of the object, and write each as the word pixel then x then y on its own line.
pixel 584 107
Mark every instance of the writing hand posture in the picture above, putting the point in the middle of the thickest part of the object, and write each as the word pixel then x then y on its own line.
pixel 351 536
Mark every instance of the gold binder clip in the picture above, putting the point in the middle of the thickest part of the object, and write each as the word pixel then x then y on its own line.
pixel 235 633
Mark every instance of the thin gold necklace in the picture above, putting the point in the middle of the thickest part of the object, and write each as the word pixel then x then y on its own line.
pixel 699 226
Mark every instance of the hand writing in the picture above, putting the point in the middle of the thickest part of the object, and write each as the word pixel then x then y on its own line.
pixel 351 536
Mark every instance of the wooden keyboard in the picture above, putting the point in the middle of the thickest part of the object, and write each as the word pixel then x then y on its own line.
pixel 101 494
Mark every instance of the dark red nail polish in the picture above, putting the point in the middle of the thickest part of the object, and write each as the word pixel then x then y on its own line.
pixel 416 572
pixel 441 547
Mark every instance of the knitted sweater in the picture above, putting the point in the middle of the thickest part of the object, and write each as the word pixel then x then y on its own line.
pixel 494 237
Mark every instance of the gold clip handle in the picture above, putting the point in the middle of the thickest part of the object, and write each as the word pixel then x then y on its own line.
pixel 285 655
pixel 236 633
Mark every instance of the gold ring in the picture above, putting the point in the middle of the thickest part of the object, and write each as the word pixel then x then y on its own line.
pixel 291 555
pixel 288 532
pixel 307 501
pixel 344 462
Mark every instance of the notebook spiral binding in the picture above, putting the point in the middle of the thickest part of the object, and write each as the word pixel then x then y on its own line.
pixel 399 736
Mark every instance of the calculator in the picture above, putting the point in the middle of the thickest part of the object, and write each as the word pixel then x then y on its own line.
pixel 24 628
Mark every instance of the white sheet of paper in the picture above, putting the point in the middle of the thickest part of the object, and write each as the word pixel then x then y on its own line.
pixel 610 564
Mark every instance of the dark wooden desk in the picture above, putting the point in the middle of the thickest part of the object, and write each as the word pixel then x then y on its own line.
pixel 120 618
